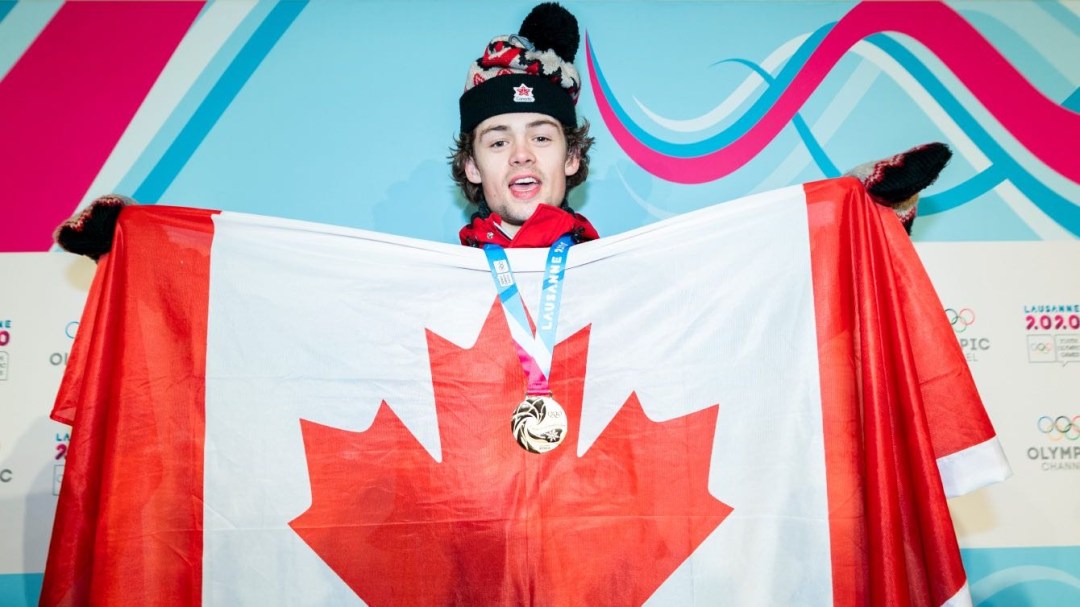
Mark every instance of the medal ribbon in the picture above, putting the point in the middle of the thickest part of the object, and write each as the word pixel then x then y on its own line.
pixel 534 350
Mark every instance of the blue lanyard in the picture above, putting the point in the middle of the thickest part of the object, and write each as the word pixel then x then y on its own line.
pixel 543 342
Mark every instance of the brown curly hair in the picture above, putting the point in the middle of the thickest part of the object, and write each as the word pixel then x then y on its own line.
pixel 577 142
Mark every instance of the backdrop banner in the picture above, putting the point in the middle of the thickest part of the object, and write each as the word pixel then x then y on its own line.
pixel 300 110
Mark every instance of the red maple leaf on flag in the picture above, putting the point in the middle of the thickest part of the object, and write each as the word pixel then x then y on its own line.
pixel 492 524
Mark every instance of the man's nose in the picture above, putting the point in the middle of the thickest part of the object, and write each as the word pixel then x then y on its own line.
pixel 522 154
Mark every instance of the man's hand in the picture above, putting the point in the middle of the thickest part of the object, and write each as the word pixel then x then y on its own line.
pixel 896 181
pixel 90 232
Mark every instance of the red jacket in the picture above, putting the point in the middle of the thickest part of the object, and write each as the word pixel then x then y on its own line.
pixel 543 228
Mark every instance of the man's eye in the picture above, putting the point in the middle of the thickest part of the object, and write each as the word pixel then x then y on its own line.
pixel 497 144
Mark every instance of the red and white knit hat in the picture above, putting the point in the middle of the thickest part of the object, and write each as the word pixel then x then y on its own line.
pixel 531 71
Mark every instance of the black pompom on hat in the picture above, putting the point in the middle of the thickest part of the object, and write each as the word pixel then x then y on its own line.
pixel 531 71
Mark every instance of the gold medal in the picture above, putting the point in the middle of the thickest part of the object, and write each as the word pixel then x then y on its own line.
pixel 539 424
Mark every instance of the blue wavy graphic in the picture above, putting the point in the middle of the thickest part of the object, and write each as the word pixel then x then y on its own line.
pixel 739 128
pixel 217 101
pixel 1003 166
pixel 1073 102
pixel 1062 15
pixel 984 590
pixel 821 159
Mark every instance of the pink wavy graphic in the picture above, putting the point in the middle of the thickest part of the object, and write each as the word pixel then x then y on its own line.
pixel 1049 131
pixel 67 101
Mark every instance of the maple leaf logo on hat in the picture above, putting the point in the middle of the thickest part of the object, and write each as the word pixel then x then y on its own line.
pixel 524 94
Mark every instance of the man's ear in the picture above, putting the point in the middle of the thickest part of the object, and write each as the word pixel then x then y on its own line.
pixel 573 162
pixel 471 172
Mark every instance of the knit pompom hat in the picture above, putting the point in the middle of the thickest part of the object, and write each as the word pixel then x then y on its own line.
pixel 531 71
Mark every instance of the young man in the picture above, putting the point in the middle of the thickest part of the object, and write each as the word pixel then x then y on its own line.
pixel 520 149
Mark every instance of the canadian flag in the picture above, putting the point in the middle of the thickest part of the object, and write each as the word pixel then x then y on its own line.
pixel 766 405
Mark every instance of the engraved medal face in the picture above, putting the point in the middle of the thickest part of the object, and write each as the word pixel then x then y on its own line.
pixel 539 424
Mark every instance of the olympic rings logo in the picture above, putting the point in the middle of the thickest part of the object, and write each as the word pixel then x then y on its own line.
pixel 1059 427
pixel 1042 346
pixel 960 320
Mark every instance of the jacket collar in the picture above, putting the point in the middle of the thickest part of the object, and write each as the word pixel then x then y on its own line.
pixel 543 228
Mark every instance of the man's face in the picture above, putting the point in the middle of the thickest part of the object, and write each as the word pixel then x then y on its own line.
pixel 520 161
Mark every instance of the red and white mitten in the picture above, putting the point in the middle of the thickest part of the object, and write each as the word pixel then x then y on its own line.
pixel 90 232
pixel 896 181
